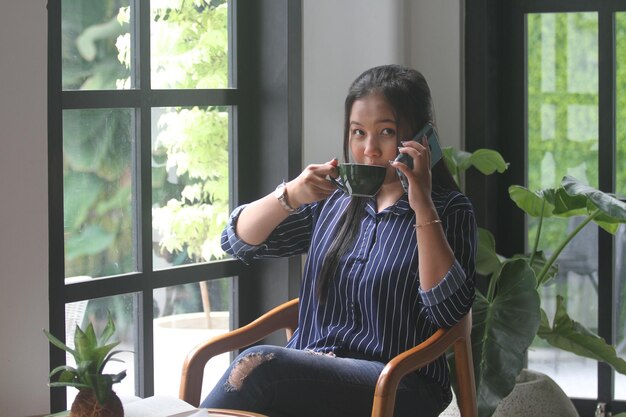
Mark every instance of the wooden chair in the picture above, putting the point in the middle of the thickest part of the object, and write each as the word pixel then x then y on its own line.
pixel 285 317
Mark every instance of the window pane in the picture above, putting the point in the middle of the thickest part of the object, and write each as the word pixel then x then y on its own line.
pixel 190 183
pixel 620 237
pixel 97 177
pixel 562 58
pixel 189 43
pixel 96 44
pixel 122 309
pixel 185 316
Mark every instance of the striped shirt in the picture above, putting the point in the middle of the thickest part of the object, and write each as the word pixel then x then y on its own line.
pixel 374 307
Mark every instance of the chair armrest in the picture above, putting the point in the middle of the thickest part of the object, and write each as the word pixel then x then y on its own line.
pixel 415 358
pixel 285 316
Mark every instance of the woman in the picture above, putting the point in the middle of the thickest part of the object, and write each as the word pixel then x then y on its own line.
pixel 381 275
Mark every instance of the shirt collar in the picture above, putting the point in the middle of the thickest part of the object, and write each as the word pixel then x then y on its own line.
pixel 399 208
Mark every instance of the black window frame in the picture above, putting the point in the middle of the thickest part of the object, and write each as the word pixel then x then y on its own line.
pixel 266 125
pixel 495 102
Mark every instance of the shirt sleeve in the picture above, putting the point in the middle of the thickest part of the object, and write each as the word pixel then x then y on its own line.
pixel 452 298
pixel 291 237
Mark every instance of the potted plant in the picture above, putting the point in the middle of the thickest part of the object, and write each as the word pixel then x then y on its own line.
pixel 96 397
pixel 509 316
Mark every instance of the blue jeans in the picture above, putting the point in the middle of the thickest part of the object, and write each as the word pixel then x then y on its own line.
pixel 282 382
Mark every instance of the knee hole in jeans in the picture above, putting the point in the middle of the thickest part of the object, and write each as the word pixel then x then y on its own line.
pixel 244 367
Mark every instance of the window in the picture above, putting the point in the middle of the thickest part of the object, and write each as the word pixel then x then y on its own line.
pixel 157 113
pixel 550 84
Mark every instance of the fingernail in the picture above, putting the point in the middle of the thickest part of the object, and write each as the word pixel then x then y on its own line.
pixel 391 162
pixel 404 142
pixel 399 149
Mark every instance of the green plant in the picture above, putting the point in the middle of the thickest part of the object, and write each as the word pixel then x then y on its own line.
pixel 91 354
pixel 509 316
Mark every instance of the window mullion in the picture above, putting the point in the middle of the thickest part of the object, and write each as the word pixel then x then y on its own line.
pixel 606 179
pixel 56 258
pixel 144 383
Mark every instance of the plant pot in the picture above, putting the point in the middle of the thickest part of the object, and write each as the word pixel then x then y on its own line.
pixel 536 395
pixel 86 405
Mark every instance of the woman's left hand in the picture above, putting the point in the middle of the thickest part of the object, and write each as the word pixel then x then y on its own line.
pixel 420 177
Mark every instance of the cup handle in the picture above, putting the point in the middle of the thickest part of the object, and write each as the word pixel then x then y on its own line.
pixel 338 184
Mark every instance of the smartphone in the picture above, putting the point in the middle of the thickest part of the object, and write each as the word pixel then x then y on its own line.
pixel 435 151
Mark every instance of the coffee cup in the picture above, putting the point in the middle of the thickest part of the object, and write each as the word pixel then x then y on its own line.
pixel 360 180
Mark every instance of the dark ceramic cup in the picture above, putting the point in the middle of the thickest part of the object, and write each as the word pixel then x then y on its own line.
pixel 360 180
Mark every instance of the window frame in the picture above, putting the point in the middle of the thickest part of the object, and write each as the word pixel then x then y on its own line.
pixel 258 51
pixel 495 103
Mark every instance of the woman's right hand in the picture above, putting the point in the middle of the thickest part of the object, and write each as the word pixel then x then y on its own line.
pixel 259 218
pixel 312 184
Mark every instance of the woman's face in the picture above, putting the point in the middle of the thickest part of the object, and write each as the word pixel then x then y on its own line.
pixel 373 133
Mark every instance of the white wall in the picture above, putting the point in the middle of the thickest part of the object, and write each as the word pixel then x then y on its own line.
pixel 23 211
pixel 341 39
pixel 434 46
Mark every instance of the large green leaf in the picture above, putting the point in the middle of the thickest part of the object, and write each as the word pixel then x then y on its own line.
pixel 455 158
pixel 538 263
pixel 572 336
pixel 566 205
pixel 487 161
pixel 554 201
pixel 503 328
pixel 531 203
pixel 613 211
pixel 487 260
pixel 606 203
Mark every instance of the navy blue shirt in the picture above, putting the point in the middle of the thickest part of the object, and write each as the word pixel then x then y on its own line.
pixel 374 306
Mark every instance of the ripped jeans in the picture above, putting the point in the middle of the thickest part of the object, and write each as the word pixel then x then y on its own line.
pixel 282 382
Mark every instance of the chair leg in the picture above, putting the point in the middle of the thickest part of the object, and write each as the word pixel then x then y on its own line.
pixel 465 378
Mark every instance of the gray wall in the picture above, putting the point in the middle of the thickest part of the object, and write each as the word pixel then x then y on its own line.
pixel 341 39
pixel 23 211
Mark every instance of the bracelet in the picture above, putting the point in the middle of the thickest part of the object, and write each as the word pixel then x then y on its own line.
pixel 417 226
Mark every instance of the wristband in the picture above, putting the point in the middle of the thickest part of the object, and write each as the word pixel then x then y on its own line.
pixel 418 226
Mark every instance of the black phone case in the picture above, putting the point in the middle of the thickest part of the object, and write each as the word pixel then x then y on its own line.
pixel 435 152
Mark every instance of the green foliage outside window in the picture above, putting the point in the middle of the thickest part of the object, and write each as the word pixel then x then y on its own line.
pixel 562 104
pixel 189 46
pixel 563 115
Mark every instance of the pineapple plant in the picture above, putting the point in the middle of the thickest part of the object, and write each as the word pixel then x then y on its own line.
pixel 96 397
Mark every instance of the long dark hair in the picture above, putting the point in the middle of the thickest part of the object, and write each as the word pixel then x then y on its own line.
pixel 408 94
